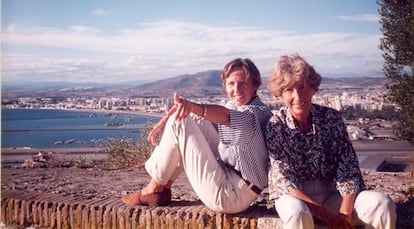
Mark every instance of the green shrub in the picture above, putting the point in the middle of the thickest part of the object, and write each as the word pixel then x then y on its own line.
pixel 87 163
pixel 126 153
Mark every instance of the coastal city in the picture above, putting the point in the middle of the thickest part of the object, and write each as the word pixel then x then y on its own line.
pixel 368 99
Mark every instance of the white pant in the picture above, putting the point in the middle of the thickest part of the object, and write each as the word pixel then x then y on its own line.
pixel 191 146
pixel 372 209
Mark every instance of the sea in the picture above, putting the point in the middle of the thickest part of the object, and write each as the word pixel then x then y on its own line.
pixel 51 128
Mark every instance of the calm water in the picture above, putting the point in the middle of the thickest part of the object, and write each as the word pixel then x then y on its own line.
pixel 44 128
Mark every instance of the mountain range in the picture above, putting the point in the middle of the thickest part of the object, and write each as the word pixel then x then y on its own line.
pixel 201 84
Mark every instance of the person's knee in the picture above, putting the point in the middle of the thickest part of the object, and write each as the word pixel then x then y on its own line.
pixel 292 209
pixel 378 203
pixel 387 205
pixel 381 201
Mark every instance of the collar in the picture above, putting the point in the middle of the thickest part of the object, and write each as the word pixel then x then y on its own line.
pixel 290 121
pixel 255 101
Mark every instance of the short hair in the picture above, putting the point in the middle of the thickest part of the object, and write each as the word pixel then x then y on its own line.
pixel 246 66
pixel 290 70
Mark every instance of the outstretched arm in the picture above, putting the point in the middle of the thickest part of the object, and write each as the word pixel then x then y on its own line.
pixel 182 108
pixel 214 113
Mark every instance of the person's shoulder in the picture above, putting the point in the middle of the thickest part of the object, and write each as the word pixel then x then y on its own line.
pixel 256 105
pixel 325 112
pixel 257 102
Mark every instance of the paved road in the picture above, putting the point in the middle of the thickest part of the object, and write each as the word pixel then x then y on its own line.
pixel 383 147
pixel 384 155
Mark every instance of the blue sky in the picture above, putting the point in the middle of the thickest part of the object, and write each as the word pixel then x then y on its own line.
pixel 113 41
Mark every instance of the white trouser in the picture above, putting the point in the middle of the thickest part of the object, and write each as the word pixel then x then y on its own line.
pixel 372 209
pixel 191 146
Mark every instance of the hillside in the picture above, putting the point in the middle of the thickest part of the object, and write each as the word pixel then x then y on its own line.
pixel 206 83
pixel 354 82
pixel 201 84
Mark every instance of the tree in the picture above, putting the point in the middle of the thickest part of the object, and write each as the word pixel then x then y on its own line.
pixel 397 44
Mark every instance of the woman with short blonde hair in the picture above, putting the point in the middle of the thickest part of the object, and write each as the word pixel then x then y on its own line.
pixel 314 168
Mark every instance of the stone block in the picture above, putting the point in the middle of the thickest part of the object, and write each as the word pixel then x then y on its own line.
pixel 55 211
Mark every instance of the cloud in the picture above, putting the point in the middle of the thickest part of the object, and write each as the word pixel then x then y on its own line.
pixel 169 48
pixel 99 12
pixel 82 29
pixel 361 17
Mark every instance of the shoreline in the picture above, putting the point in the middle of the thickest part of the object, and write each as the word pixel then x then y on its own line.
pixel 20 154
pixel 365 145
pixel 394 150
pixel 143 113
pixel 29 150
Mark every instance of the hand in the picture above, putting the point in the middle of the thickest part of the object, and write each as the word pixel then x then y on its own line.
pixel 183 107
pixel 156 132
pixel 158 129
pixel 341 221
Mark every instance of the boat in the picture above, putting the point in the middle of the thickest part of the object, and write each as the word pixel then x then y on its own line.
pixel 69 141
pixel 114 124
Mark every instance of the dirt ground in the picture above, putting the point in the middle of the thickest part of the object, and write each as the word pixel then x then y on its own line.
pixel 98 183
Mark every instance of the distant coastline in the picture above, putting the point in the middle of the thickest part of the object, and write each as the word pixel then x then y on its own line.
pixel 143 113
pixel 17 155
pixel 8 153
pixel 152 114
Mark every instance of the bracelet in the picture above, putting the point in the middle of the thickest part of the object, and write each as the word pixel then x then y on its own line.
pixel 204 110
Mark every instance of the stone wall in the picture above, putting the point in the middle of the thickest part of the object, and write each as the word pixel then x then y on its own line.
pixel 47 210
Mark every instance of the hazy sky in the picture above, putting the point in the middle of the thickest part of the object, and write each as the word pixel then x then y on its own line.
pixel 110 40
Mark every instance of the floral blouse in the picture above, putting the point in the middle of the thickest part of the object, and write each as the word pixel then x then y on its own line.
pixel 325 152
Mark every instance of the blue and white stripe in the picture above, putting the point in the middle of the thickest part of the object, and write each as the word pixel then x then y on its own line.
pixel 242 145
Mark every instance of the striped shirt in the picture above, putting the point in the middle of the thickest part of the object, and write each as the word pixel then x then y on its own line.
pixel 242 145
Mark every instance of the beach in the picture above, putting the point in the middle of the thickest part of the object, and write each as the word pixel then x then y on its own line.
pixel 20 154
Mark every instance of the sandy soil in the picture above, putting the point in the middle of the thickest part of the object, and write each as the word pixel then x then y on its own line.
pixel 9 155
pixel 98 184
